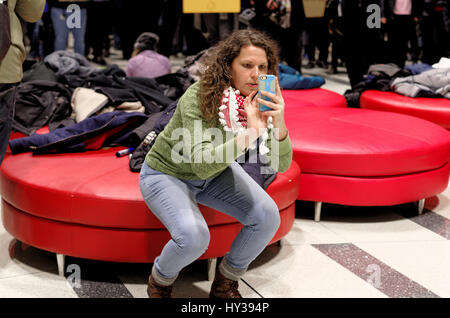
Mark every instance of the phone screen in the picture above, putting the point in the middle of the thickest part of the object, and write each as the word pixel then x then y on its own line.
pixel 266 83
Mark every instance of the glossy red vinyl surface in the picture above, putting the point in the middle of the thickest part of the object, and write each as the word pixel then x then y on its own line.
pixel 373 191
pixel 96 188
pixel 436 110
pixel 318 97
pixel 364 143
pixel 118 245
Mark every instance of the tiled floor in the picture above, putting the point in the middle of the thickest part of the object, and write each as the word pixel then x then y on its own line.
pixel 355 252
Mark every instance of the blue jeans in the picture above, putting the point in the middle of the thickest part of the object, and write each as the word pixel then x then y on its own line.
pixel 174 202
pixel 62 29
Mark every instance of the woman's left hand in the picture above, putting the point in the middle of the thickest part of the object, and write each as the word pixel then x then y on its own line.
pixel 277 112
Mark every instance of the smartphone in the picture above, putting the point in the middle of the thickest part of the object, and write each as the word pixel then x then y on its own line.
pixel 266 83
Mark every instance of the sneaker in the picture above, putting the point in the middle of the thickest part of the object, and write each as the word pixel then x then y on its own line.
pixel 157 291
pixel 223 287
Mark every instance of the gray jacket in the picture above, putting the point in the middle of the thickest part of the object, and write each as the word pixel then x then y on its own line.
pixel 431 83
pixel 66 62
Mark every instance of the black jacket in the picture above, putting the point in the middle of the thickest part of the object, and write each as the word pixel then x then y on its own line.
pixel 113 83
pixel 39 103
pixel 108 129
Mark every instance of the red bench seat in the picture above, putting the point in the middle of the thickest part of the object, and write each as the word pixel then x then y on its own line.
pixel 89 205
pixel 436 110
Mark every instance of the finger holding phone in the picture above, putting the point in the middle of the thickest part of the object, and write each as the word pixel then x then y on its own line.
pixel 255 118
pixel 271 103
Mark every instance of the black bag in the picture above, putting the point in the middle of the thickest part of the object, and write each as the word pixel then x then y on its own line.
pixel 5 29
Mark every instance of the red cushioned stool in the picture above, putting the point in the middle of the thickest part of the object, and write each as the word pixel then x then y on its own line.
pixel 367 158
pixel 436 110
pixel 318 97
pixel 89 205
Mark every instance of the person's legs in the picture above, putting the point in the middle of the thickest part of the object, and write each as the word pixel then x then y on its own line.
pixel 323 42
pixel 309 45
pixel 7 101
pixel 398 38
pixel 413 40
pixel 173 203
pixel 60 28
pixel 292 48
pixel 100 20
pixel 211 21
pixel 235 193
pixel 79 33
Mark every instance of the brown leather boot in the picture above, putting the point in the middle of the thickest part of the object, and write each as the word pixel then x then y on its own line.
pixel 157 291
pixel 223 287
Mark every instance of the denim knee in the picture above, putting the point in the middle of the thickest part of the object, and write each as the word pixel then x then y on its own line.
pixel 266 216
pixel 193 241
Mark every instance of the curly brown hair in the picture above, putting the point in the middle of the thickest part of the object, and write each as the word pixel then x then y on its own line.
pixel 216 76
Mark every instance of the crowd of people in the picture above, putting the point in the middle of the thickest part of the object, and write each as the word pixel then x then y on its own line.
pixel 350 33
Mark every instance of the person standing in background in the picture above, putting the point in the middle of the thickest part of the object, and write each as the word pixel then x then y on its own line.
pixel 435 28
pixel 317 37
pixel 292 45
pixel 131 18
pixel 333 13
pixel 42 36
pixel 400 17
pixel 284 21
pixel 363 43
pixel 61 11
pixel 11 65
pixel 180 33
pixel 98 29
pixel 218 25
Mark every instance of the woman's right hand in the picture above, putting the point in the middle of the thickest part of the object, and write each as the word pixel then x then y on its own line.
pixel 255 123
pixel 255 120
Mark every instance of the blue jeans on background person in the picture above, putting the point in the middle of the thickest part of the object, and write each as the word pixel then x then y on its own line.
pixel 174 202
pixel 59 20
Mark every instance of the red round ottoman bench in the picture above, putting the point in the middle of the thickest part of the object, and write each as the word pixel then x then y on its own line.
pixel 318 97
pixel 436 110
pixel 89 205
pixel 363 157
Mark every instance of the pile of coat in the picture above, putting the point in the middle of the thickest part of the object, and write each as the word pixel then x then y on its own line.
pixel 430 82
pixel 415 80
pixel 65 89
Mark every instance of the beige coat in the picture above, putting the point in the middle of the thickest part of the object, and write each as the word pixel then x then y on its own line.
pixel 11 65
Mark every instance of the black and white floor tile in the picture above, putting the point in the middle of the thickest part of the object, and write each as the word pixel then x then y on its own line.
pixel 355 252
